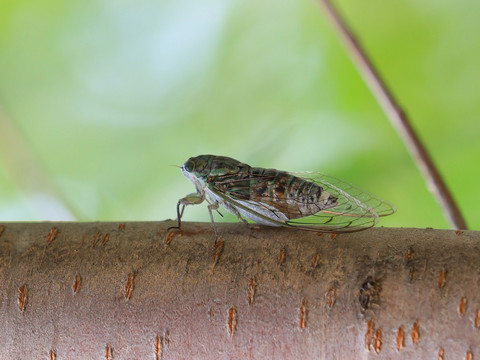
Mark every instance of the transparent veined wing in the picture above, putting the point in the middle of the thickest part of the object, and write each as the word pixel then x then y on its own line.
pixel 337 186
pixel 354 210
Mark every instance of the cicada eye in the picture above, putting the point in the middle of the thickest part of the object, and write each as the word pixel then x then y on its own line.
pixel 189 166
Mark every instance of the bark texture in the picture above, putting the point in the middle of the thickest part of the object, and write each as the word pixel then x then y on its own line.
pixel 137 291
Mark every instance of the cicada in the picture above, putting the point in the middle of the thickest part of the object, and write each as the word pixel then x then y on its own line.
pixel 308 201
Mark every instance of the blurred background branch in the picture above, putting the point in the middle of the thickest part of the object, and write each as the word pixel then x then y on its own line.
pixel 397 117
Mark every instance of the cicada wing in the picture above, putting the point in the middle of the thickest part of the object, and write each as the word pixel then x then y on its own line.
pixel 339 188
pixel 262 213
pixel 236 191
pixel 348 215
pixel 355 209
pixel 332 220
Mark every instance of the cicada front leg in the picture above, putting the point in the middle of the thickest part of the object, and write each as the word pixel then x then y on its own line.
pixel 190 199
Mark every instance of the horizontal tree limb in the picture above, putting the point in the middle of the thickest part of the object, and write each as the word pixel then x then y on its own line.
pixel 139 291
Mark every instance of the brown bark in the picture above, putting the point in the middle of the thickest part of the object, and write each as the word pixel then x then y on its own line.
pixel 97 291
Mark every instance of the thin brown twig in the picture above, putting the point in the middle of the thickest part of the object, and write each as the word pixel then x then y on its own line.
pixel 397 117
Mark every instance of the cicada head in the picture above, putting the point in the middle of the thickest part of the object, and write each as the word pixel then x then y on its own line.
pixel 196 166
pixel 196 169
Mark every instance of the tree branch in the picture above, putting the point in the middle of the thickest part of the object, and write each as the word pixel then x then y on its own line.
pixel 397 117
pixel 136 290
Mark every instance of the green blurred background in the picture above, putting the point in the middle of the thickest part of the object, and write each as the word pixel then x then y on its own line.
pixel 99 99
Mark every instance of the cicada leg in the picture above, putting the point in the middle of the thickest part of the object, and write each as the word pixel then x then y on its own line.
pixel 190 199
pixel 234 211
pixel 211 207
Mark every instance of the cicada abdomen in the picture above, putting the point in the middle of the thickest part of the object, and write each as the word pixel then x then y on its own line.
pixel 290 195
